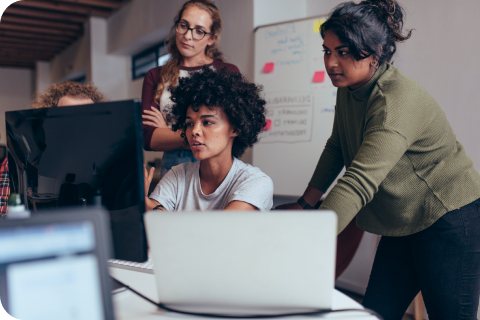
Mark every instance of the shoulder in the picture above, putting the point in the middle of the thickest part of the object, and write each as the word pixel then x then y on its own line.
pixel 398 94
pixel 397 89
pixel 246 173
pixel 229 66
pixel 153 75
pixel 394 83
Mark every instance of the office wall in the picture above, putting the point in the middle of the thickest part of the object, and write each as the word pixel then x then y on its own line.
pixel 73 61
pixel 110 73
pixel 16 92
pixel 42 76
pixel 274 11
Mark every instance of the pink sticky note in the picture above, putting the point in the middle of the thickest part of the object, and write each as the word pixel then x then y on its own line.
pixel 268 67
pixel 268 126
pixel 319 76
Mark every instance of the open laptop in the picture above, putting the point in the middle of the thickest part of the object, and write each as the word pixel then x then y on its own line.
pixel 255 262
pixel 54 266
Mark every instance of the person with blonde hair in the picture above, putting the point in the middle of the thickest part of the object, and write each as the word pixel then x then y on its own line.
pixel 64 94
pixel 193 43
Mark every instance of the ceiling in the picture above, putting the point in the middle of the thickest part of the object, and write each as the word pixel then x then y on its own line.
pixel 37 30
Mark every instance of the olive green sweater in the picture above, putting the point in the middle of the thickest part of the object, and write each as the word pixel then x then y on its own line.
pixel 405 168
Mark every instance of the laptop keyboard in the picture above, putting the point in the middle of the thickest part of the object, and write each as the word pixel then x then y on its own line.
pixel 146 266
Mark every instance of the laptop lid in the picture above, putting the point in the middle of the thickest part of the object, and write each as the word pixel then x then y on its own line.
pixel 243 261
pixel 54 266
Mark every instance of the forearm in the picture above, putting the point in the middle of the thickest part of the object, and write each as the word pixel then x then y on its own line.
pixel 379 153
pixel 240 206
pixel 165 139
pixel 150 204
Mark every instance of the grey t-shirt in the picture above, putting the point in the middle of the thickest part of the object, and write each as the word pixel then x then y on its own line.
pixel 180 190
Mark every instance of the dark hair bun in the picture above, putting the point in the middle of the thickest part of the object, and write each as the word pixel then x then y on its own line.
pixel 393 14
pixel 370 28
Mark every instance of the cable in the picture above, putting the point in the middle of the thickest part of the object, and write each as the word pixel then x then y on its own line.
pixel 119 290
pixel 260 316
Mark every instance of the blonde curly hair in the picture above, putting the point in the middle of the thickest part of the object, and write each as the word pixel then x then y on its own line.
pixel 51 95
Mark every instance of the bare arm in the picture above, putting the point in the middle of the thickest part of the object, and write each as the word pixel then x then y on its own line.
pixel 240 206
pixel 164 139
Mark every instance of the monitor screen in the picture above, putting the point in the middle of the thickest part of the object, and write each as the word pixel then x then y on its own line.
pixel 52 267
pixel 79 156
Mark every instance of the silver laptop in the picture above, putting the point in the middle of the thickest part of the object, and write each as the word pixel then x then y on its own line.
pixel 54 266
pixel 257 262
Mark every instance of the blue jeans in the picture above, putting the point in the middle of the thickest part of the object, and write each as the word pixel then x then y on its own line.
pixel 443 261
pixel 175 157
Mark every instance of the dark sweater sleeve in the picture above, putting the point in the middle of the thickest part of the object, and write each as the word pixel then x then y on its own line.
pixel 148 100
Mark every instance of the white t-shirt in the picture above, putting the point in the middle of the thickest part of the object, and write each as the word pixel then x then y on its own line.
pixel 180 189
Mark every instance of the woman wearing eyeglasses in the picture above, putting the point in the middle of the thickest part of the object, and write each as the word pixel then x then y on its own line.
pixel 192 45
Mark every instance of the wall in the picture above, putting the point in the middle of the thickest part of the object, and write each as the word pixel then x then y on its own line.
pixel 274 11
pixel 72 61
pixel 16 92
pixel 42 76
pixel 110 73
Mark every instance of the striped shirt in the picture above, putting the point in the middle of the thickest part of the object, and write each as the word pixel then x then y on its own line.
pixel 4 187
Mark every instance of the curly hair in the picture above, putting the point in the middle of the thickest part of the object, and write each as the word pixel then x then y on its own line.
pixel 233 93
pixel 51 95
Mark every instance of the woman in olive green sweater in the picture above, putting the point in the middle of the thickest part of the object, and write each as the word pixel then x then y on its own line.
pixel 407 179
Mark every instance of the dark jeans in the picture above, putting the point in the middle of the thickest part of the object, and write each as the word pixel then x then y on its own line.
pixel 443 261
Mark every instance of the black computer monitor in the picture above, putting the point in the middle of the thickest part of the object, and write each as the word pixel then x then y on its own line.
pixel 79 156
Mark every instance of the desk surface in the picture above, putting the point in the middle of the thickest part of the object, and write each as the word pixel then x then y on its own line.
pixel 129 306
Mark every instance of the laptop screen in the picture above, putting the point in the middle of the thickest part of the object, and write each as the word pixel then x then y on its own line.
pixel 50 271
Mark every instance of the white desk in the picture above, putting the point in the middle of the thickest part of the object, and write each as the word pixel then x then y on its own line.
pixel 129 306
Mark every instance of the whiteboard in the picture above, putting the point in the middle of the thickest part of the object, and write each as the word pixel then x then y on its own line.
pixel 300 103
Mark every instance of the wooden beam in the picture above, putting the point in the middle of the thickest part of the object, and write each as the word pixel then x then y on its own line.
pixel 6 18
pixel 22 55
pixel 41 37
pixel 28 48
pixel 6 41
pixel 39 30
pixel 23 65
pixel 96 3
pixel 20 62
pixel 16 46
pixel 41 14
pixel 64 7
pixel 30 42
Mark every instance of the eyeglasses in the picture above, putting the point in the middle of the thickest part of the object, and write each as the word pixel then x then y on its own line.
pixel 198 34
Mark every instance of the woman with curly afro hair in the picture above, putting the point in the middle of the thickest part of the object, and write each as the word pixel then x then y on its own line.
pixel 219 114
